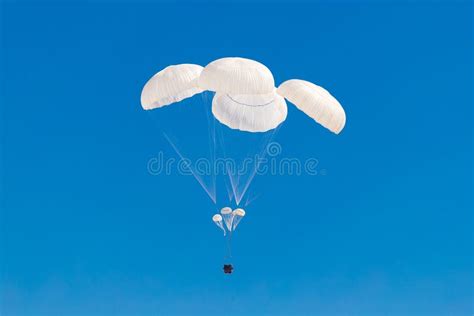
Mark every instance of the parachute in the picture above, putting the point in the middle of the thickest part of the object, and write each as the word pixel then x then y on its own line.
pixel 226 213
pixel 172 84
pixel 229 217
pixel 250 112
pixel 316 102
pixel 246 98
pixel 217 219
pixel 246 101
pixel 237 214
pixel 236 75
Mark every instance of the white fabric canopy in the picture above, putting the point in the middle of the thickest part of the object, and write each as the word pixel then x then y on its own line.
pixel 245 98
pixel 172 84
pixel 250 112
pixel 316 102
pixel 236 75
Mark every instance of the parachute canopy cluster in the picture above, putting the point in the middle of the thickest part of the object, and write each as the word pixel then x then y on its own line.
pixel 245 95
pixel 228 217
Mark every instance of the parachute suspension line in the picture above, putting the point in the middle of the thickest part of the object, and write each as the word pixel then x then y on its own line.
pixel 262 155
pixel 229 173
pixel 229 245
pixel 262 147
pixel 239 194
pixel 250 200
pixel 229 192
pixel 210 193
pixel 193 172
pixel 211 124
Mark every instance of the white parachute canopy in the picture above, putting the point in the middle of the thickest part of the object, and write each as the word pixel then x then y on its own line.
pixel 250 112
pixel 246 98
pixel 217 219
pixel 238 215
pixel 245 94
pixel 316 102
pixel 172 84
pixel 236 75
pixel 227 215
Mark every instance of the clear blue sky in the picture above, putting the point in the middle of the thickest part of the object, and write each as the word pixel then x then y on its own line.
pixel 86 231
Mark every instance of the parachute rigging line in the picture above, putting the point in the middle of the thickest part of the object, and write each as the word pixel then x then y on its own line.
pixel 262 154
pixel 196 176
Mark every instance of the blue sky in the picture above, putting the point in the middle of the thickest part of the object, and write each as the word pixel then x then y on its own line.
pixel 86 230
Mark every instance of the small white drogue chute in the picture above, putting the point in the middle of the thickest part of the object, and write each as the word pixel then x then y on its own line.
pixel 172 84
pixel 227 215
pixel 217 219
pixel 238 215
pixel 316 102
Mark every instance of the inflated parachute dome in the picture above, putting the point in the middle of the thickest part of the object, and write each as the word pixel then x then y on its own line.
pixel 245 95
